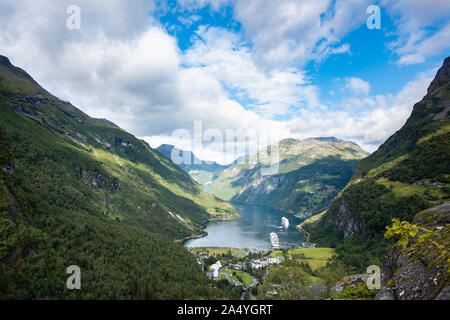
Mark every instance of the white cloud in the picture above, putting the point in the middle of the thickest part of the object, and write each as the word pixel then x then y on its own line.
pixel 226 57
pixel 414 20
pixel 135 80
pixel 379 117
pixel 419 50
pixel 357 85
pixel 130 70
pixel 289 31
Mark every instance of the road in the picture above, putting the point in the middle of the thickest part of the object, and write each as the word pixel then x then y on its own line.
pixel 254 283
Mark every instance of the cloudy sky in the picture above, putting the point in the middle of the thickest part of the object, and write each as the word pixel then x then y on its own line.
pixel 288 68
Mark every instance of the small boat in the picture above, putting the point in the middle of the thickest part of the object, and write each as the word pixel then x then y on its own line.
pixel 274 240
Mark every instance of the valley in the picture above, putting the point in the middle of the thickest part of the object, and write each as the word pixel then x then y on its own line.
pixel 79 189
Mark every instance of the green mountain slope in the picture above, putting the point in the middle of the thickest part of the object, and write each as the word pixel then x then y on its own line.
pixel 311 172
pixel 407 174
pixel 78 190
pixel 77 161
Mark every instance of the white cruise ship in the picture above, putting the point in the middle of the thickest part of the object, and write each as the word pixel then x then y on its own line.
pixel 274 240
pixel 285 222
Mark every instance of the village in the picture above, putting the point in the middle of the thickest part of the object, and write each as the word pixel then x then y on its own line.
pixel 240 267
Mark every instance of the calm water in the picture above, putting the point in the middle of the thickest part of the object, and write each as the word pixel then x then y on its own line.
pixel 251 230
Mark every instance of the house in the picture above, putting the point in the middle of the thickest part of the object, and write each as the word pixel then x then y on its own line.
pixel 215 268
pixel 236 266
pixel 264 262
pixel 275 260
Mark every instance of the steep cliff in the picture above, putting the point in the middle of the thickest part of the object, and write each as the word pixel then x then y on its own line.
pixel 410 172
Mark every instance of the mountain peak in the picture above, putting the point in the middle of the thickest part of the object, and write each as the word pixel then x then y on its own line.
pixel 4 61
pixel 442 76
pixel 288 141
pixel 329 139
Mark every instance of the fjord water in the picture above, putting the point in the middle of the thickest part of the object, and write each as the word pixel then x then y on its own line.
pixel 251 230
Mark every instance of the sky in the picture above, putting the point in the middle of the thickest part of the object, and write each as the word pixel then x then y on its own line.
pixel 193 72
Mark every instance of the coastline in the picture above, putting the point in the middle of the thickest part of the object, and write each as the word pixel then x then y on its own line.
pixel 193 236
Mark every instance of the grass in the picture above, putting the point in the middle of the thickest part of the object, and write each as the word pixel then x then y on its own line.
pixel 246 278
pixel 315 257
pixel 238 253
pixel 312 219
pixel 403 190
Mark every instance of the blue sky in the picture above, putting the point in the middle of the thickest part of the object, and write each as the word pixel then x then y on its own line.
pixel 286 68
pixel 369 58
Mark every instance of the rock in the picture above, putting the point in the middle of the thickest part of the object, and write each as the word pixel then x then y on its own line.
pixel 355 279
pixel 348 221
pixel 444 294
pixel 419 270
pixel 411 282
pixel 350 281
pixel 338 287
pixel 385 293
pixel 318 289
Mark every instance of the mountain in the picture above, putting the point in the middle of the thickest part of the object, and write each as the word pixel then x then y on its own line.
pixel 199 170
pixel 94 164
pixel 79 190
pixel 310 173
pixel 409 173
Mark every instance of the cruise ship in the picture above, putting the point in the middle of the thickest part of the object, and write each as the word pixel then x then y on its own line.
pixel 274 240
pixel 285 222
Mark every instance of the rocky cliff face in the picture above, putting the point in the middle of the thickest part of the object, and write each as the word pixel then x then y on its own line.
pixel 347 221
pixel 420 271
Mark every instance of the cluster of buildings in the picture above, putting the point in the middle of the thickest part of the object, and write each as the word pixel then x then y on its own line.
pixel 266 261
pixel 256 264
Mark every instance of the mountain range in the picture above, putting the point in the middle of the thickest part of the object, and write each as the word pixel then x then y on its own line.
pixel 307 175
pixel 79 190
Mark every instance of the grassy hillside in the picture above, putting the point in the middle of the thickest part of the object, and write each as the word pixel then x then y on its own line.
pixel 78 190
pixel 311 172
pixel 77 161
pixel 39 240
pixel 407 174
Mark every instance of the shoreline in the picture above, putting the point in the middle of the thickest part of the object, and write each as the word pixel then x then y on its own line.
pixel 191 237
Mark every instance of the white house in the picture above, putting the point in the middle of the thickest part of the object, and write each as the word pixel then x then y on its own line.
pixel 275 260
pixel 264 262
pixel 215 268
